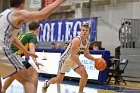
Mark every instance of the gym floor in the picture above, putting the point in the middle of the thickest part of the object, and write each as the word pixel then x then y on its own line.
pixel 70 86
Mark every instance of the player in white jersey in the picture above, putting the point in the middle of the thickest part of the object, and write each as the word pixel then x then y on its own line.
pixel 70 59
pixel 10 20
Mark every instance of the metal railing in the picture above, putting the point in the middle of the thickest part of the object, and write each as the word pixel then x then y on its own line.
pixel 129 33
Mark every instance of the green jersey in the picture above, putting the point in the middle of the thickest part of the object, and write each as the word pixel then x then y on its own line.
pixel 25 39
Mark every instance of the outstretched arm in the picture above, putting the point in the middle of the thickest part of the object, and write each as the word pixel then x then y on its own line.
pixel 24 15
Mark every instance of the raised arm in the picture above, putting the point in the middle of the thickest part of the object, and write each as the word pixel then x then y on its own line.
pixel 24 15
pixel 75 50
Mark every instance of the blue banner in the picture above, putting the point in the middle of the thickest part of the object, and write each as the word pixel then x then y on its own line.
pixel 65 30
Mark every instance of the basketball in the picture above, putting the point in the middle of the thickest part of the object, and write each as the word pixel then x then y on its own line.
pixel 100 64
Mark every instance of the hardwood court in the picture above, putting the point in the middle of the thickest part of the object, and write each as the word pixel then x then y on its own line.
pixel 69 86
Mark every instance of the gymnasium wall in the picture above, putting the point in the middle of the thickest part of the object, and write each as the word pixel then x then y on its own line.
pixel 109 22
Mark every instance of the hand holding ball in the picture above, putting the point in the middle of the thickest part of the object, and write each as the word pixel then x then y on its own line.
pixel 100 64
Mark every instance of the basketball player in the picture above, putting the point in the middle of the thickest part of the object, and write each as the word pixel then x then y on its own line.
pixel 10 20
pixel 29 40
pixel 70 59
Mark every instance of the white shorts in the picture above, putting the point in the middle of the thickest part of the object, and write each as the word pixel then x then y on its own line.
pixel 10 63
pixel 65 65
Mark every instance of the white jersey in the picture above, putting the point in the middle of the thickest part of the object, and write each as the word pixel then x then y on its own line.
pixel 81 48
pixel 6 28
pixel 9 63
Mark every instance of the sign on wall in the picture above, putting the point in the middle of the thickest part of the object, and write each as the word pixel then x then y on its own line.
pixel 47 2
pixel 35 4
pixel 51 64
pixel 65 30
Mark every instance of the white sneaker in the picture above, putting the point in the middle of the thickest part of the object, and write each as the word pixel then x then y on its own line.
pixel 45 86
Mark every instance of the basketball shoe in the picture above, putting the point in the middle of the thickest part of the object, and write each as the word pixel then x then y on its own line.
pixel 45 86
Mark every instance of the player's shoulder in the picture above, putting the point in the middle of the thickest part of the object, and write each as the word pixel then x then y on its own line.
pixel 5 12
pixel 29 34
pixel 76 40
pixel 21 11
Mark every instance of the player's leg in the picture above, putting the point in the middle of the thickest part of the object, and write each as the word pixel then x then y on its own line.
pixel 34 74
pixel 84 76
pixel 10 64
pixel 7 83
pixel 63 67
pixel 55 80
pixel 24 77
pixel 58 79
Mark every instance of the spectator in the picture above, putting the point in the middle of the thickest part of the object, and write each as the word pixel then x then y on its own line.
pixel 53 45
pixel 58 46
pixel 66 45
pixel 97 47
pixel 117 52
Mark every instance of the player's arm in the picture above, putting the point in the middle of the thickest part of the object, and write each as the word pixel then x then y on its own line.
pixel 32 50
pixel 24 15
pixel 17 43
pixel 87 54
pixel 75 50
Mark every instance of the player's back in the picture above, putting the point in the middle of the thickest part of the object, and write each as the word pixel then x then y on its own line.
pixel 25 39
pixel 6 27
pixel 4 24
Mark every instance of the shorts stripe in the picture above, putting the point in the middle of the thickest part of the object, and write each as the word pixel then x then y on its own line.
pixel 14 59
pixel 10 61
pixel 10 74
pixel 17 60
pixel 76 68
pixel 66 54
pixel 8 57
pixel 60 66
